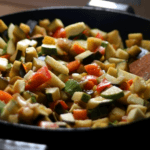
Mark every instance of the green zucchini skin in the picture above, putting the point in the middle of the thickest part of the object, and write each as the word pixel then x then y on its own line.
pixel 100 111
pixel 112 93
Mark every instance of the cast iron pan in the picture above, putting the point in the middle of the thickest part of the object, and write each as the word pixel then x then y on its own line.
pixel 103 19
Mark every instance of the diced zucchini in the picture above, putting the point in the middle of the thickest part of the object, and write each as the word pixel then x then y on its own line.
pixel 67 117
pixel 33 43
pixel 135 114
pixel 122 65
pixel 133 106
pixel 19 86
pixel 116 114
pixel 3 64
pixel 11 48
pixel 115 60
pixel 52 94
pixel 2 104
pixel 83 123
pixel 54 64
pixel 145 44
pixel 54 25
pixel 98 107
pixel 112 93
pixel 11 108
pixel 112 71
pixel 28 94
pixel 25 28
pixel 134 50
pixel 114 38
pixel 2 43
pixel 37 64
pixel 80 96
pixel 136 36
pixel 110 51
pixel 28 75
pixel 55 81
pixel 18 33
pixel 15 69
pixel 30 54
pixel 22 45
pixel 72 86
pixel 38 39
pixel 10 31
pixel 86 57
pixel 122 54
pixel 113 80
pixel 139 85
pixel 93 43
pixel 135 99
pixel 126 74
pixel 39 30
pixel 63 77
pixel 3 83
pixel 49 49
pixel 95 31
pixel 123 99
pixel 3 26
pixel 75 29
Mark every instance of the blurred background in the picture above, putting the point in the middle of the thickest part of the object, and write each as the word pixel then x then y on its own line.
pixel 141 7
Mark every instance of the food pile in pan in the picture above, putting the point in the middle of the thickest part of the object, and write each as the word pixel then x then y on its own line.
pixel 55 76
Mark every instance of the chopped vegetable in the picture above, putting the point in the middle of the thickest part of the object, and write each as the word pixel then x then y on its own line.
pixel 40 77
pixel 5 97
pixel 74 65
pixel 56 76
pixel 93 69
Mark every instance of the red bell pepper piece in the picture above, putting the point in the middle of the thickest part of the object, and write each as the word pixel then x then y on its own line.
pixel 63 104
pixel 98 35
pixel 73 65
pixel 37 79
pixel 60 33
pixel 91 81
pixel 93 69
pixel 5 97
pixel 103 85
pixel 78 49
pixel 80 114
pixel 91 78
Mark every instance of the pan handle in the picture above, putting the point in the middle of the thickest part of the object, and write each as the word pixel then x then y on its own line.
pixel 111 5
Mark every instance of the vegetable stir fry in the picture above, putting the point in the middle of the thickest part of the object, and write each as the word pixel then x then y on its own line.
pixel 73 76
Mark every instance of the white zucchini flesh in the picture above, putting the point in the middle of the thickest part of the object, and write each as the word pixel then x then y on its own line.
pixel 83 55
pixel 22 45
pixel 112 93
pixel 56 65
pixel 75 29
pixel 93 102
pixel 2 43
pixel 19 86
pixel 10 31
pixel 54 91
pixel 67 117
pixel 3 64
pixel 126 74
pixel 11 48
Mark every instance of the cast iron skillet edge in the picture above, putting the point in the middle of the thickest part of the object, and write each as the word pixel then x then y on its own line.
pixel 22 132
